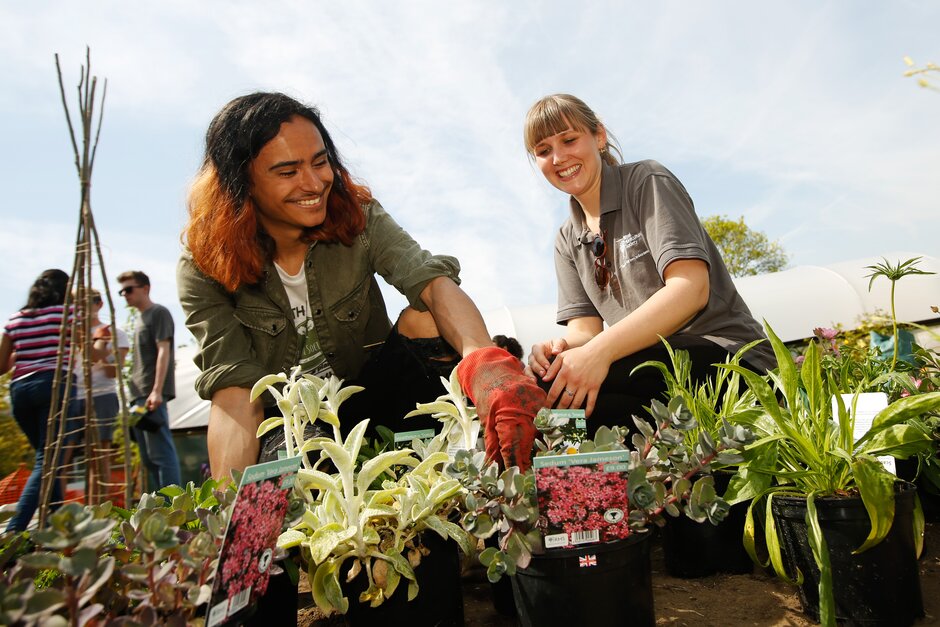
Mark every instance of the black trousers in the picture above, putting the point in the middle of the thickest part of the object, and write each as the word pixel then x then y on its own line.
pixel 398 375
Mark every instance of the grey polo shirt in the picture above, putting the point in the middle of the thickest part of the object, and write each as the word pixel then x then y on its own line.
pixel 649 221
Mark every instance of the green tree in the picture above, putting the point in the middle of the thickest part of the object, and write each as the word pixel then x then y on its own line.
pixel 746 252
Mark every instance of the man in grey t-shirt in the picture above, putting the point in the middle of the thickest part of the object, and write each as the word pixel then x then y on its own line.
pixel 152 382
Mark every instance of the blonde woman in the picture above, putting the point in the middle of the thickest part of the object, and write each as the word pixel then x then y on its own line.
pixel 633 264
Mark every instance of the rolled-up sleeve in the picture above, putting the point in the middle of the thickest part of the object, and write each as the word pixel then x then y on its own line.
pixel 400 260
pixel 225 358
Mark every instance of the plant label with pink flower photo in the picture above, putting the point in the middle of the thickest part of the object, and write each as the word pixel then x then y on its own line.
pixel 582 497
pixel 257 518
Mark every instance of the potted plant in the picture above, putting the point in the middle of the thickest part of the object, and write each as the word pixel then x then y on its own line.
pixel 693 550
pixel 460 425
pixel 590 584
pixel 915 370
pixel 833 513
pixel 375 529
pixel 102 565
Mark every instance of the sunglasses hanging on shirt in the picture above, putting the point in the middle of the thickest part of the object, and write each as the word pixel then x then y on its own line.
pixel 601 265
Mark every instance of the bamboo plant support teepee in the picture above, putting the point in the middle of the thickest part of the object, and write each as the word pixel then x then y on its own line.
pixel 79 299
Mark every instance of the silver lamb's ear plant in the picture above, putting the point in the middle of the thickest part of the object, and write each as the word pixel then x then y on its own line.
pixel 302 400
pixel 369 512
pixel 460 425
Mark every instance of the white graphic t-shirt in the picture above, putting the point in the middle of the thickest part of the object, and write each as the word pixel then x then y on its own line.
pixel 312 359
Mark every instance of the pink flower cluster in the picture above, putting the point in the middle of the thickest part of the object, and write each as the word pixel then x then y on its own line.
pixel 256 521
pixel 575 498
pixel 827 337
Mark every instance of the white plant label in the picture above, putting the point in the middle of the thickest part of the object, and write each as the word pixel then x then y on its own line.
pixel 866 408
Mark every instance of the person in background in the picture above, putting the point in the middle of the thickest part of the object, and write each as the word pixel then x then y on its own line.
pixel 509 344
pixel 632 255
pixel 152 382
pixel 103 384
pixel 33 334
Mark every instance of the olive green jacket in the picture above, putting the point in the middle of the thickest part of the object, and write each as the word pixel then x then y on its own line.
pixel 250 333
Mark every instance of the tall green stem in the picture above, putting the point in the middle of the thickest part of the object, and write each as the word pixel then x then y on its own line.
pixel 894 328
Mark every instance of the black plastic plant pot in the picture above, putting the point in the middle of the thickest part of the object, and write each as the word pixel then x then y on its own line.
pixel 880 586
pixel 929 499
pixel 440 598
pixel 596 584
pixel 692 549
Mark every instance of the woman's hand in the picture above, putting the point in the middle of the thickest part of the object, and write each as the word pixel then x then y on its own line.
pixel 544 353
pixel 578 374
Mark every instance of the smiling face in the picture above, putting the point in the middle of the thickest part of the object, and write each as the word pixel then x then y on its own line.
pixel 571 160
pixel 290 180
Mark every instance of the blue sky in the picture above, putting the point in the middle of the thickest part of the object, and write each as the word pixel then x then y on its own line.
pixel 794 115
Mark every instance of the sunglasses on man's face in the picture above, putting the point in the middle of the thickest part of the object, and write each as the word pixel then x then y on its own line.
pixel 601 266
pixel 127 290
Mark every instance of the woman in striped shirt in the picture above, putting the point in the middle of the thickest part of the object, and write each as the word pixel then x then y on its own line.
pixel 33 335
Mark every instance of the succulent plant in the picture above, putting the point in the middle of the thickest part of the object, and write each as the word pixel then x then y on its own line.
pixel 668 476
pixel 103 565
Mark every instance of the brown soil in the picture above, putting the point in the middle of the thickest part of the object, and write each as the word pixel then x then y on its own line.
pixel 717 601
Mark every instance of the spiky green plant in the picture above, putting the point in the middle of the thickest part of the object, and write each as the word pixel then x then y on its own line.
pixel 807 448
pixel 894 273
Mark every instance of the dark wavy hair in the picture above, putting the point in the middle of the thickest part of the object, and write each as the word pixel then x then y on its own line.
pixel 509 344
pixel 224 235
pixel 49 289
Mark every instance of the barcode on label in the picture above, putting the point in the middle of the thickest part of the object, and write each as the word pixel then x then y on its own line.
pixel 239 601
pixel 583 537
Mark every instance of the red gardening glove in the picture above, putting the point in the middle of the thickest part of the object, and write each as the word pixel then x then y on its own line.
pixel 506 401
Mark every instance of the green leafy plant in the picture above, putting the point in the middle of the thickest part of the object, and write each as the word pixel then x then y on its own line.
pixel 718 398
pixel 356 523
pixel 807 449
pixel 894 273
pixel 460 424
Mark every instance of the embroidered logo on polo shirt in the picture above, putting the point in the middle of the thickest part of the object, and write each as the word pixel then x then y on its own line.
pixel 630 247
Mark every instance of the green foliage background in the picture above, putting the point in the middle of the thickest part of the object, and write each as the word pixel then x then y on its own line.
pixel 746 252
pixel 14 447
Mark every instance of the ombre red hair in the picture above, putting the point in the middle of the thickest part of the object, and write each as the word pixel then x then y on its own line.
pixel 227 242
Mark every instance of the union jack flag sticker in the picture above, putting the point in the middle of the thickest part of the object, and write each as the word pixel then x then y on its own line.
pixel 587 560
